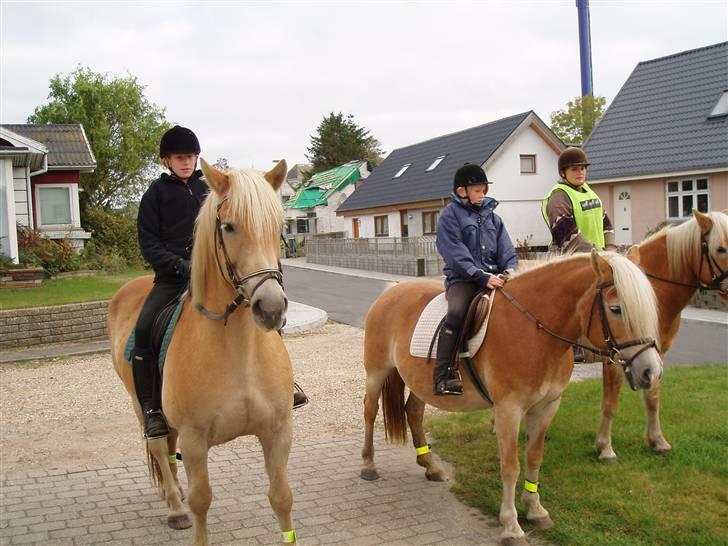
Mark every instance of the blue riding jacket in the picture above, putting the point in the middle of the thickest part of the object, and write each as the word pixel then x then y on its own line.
pixel 473 242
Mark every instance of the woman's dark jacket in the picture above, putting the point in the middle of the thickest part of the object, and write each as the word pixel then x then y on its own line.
pixel 166 222
pixel 473 242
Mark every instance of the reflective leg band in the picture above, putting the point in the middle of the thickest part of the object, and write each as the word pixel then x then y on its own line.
pixel 530 486
pixel 422 450
pixel 172 458
pixel 289 537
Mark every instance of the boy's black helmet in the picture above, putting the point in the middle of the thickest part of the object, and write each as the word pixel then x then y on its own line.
pixel 469 174
pixel 572 156
pixel 179 140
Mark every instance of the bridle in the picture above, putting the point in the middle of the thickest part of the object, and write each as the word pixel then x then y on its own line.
pixel 717 275
pixel 237 282
pixel 614 349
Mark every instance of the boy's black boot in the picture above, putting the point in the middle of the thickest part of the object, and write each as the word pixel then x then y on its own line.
pixel 446 378
pixel 144 369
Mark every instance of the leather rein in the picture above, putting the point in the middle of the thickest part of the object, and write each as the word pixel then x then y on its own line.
pixel 236 281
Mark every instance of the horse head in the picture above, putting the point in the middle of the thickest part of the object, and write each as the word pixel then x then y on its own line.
pixel 713 269
pixel 621 318
pixel 237 238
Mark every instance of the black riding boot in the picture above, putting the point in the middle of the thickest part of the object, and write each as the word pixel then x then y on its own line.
pixel 446 378
pixel 148 391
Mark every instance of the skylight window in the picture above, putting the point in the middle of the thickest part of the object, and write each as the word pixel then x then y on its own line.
pixel 435 163
pixel 402 170
pixel 721 109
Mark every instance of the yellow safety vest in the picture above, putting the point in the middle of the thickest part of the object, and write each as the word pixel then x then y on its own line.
pixel 588 212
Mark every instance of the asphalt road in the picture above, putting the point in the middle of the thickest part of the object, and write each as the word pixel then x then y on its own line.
pixel 346 299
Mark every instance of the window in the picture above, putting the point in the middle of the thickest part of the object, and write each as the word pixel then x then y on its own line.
pixel 435 163
pixel 721 107
pixel 429 222
pixel 55 204
pixel 302 225
pixel 685 195
pixel 402 170
pixel 528 164
pixel 381 226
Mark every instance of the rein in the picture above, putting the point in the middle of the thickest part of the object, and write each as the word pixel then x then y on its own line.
pixel 237 282
pixel 613 348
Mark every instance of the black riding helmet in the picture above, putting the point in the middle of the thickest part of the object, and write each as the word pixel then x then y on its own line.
pixel 179 140
pixel 468 175
pixel 572 156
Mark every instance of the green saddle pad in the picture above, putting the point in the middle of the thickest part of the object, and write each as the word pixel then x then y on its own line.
pixel 165 340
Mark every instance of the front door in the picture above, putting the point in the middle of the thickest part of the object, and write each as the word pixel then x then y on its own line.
pixel 355 227
pixel 622 215
pixel 403 223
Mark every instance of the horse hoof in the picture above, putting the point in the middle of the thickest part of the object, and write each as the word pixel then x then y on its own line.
pixel 369 474
pixel 608 460
pixel 179 522
pixel 542 523
pixel 661 447
pixel 514 541
pixel 436 476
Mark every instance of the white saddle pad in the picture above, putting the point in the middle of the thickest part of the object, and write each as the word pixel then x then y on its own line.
pixel 431 316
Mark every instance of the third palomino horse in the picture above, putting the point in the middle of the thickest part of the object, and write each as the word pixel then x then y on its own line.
pixel 526 361
pixel 677 260
pixel 226 374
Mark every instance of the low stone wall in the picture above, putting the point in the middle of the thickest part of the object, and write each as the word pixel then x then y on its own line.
pixel 53 324
pixel 708 299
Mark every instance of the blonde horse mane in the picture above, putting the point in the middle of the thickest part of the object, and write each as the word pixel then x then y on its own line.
pixel 254 207
pixel 636 296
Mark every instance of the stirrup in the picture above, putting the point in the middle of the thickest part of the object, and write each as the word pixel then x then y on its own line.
pixel 155 425
pixel 299 397
pixel 452 385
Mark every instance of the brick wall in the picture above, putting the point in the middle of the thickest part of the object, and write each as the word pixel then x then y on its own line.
pixel 54 324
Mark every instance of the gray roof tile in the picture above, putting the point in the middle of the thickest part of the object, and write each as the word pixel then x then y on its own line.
pixel 474 145
pixel 67 144
pixel 658 122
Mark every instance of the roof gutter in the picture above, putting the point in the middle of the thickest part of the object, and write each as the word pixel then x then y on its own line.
pixel 43 169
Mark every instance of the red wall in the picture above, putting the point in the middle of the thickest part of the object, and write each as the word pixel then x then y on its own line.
pixel 52 177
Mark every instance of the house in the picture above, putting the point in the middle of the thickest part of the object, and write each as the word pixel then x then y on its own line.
pixel 294 179
pixel 312 210
pixel 661 148
pixel 40 170
pixel 404 195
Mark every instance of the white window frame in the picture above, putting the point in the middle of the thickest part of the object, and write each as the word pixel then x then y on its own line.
pixel 436 163
pixel 680 193
pixel 721 106
pixel 436 214
pixel 402 170
pixel 520 164
pixel 385 223
pixel 73 202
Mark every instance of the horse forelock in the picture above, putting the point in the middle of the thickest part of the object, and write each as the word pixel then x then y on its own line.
pixel 636 296
pixel 683 241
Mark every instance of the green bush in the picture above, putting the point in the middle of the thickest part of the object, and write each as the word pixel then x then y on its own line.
pixel 114 239
pixel 53 256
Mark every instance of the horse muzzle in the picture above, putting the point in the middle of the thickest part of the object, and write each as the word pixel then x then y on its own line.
pixel 269 306
pixel 644 371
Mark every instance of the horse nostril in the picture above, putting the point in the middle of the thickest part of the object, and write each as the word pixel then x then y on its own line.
pixel 646 378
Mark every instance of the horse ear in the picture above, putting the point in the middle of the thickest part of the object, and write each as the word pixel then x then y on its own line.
pixel 704 221
pixel 601 267
pixel 277 174
pixel 634 254
pixel 218 180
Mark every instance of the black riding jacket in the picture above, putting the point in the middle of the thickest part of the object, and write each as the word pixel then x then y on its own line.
pixel 166 222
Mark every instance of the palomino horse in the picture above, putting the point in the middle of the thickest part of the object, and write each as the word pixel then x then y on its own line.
pixel 229 377
pixel 677 260
pixel 526 361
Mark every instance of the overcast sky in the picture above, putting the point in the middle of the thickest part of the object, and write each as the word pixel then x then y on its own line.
pixel 254 79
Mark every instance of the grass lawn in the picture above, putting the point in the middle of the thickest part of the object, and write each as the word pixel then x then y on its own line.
pixel 67 290
pixel 645 499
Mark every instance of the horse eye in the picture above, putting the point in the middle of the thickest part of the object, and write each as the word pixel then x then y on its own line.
pixel 616 309
pixel 721 250
pixel 229 228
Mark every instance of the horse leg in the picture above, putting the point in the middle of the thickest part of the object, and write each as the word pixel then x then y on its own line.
pixel 374 383
pixel 611 385
pixel 538 420
pixel 172 455
pixel 276 448
pixel 177 516
pixel 507 422
pixel 655 438
pixel 415 415
pixel 194 451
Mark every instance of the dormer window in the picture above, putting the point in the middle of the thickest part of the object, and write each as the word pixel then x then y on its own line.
pixel 402 170
pixel 721 108
pixel 435 163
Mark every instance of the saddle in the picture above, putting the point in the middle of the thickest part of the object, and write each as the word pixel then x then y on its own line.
pixel 162 329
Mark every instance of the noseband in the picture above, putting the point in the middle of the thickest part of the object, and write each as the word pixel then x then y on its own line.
pixel 237 282
pixel 614 349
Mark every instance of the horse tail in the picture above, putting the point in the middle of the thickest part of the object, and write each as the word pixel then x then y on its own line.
pixel 155 473
pixel 395 423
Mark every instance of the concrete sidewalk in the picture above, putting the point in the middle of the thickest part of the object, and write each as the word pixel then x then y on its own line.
pixel 300 318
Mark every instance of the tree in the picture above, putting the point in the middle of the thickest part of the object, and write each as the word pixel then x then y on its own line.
pixel 339 139
pixel 122 126
pixel 575 123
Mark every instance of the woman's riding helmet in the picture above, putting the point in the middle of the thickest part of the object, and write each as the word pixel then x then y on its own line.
pixel 179 140
pixel 572 156
pixel 469 174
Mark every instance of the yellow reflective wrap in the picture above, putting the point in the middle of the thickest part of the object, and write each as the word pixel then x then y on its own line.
pixel 172 458
pixel 423 449
pixel 289 537
pixel 530 486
